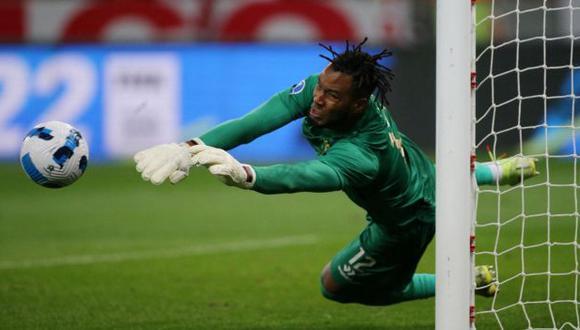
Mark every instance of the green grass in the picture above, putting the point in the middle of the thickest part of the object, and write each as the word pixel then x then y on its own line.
pixel 112 212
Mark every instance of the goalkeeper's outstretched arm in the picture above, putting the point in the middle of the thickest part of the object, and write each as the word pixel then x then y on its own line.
pixel 343 165
pixel 279 110
pixel 267 117
pixel 313 176
pixel 171 161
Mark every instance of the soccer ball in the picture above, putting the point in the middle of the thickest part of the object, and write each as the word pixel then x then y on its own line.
pixel 54 154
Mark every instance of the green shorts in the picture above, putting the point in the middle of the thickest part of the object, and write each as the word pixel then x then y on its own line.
pixel 381 258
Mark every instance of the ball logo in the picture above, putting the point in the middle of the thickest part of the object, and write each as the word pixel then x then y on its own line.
pixel 41 133
pixel 65 152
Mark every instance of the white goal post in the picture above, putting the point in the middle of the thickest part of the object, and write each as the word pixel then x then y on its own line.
pixel 453 156
pixel 520 60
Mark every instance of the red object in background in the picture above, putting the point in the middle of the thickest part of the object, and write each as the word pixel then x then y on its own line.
pixel 193 20
pixel 89 23
pixel 245 23
pixel 12 21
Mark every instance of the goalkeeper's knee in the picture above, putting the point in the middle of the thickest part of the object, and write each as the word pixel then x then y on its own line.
pixel 334 291
pixel 329 288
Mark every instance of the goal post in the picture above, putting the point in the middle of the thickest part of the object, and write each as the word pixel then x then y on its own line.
pixel 454 138
pixel 520 60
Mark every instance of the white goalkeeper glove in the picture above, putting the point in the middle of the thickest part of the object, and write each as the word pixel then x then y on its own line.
pixel 164 161
pixel 225 167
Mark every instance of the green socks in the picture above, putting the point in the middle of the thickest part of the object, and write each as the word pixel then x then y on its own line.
pixel 422 286
pixel 485 174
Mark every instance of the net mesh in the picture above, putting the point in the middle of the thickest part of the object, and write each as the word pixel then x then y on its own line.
pixel 528 72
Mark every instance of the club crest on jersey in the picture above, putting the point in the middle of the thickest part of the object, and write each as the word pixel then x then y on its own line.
pixel 299 87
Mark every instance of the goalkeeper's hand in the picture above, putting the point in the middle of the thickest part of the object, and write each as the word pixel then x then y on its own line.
pixel 225 167
pixel 164 161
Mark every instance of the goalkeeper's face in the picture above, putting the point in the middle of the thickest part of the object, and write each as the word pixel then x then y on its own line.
pixel 334 105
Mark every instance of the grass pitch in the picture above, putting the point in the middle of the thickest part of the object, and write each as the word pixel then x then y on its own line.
pixel 114 252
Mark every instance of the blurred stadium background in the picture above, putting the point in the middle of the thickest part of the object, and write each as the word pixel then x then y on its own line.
pixel 113 252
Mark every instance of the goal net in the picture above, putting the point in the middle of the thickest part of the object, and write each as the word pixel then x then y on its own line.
pixel 527 92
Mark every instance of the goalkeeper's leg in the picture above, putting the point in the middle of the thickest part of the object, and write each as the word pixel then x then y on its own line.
pixel 512 171
pixel 378 268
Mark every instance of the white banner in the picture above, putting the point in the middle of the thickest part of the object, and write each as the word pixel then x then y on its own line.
pixel 141 102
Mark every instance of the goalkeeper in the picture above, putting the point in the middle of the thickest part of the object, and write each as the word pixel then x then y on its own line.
pixel 361 152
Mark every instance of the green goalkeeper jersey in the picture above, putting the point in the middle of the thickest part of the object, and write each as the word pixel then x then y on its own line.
pixel 378 167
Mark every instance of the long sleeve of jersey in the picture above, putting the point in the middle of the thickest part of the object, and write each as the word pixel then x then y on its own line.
pixel 278 111
pixel 344 166
pixel 314 176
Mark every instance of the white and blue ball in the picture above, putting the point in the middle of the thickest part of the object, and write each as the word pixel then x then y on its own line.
pixel 54 154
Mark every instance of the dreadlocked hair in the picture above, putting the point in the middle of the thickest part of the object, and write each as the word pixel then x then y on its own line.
pixel 368 75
